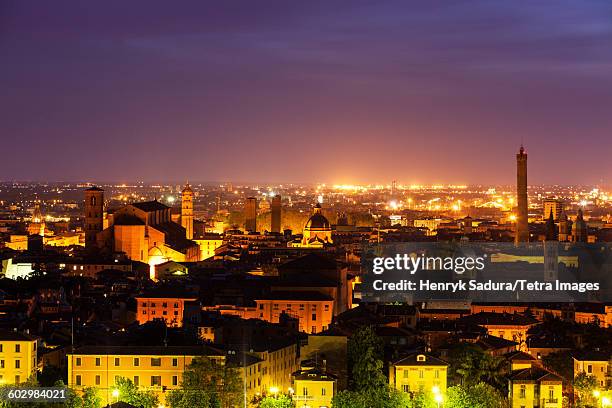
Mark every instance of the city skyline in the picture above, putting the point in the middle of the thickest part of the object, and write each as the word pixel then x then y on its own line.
pixel 359 93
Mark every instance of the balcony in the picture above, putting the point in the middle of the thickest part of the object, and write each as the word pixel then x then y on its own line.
pixel 550 403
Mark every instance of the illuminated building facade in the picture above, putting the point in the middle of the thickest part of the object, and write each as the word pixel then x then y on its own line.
pixel 158 369
pixel 145 232
pixel 553 205
pixel 419 373
pixel 317 232
pixel 172 310
pixel 18 357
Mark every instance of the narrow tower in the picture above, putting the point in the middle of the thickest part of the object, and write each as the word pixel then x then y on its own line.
pixel 94 208
pixel 250 214
pixel 551 250
pixel 522 226
pixel 187 211
pixel 275 222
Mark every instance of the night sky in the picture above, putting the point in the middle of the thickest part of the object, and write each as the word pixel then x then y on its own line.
pixel 306 91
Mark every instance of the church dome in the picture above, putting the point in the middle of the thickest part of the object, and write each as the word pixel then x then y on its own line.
pixel 317 220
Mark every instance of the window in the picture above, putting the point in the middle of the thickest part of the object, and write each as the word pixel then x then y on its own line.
pixel 17 379
pixel 175 362
pixel 78 361
pixel 322 391
pixel 155 362
pixel 117 361
pixel 175 380
pixel 421 374
pixel 1 363
pixel 314 329
pixel 116 380
pixel 17 363
pixel 155 380
pixel 165 304
pixel 589 369
pixel 406 388
pixel 176 312
pixel 17 348
pixel 153 304
pixel 98 380
pixel 523 392
pixel 78 380
pixel 314 317
pixel 136 362
pixel 97 361
pixel 326 308
pixel 144 312
pixel 437 374
pixel 551 393
pixel 176 305
pixel 304 391
pixel 136 380
pixel 406 373
pixel 261 306
pixel 0 348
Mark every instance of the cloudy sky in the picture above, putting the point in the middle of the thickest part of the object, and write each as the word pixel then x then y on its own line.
pixel 314 91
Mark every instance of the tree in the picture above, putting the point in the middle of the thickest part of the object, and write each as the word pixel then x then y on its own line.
pixel 281 401
pixel 208 384
pixel 380 398
pixel 469 365
pixel 585 384
pixel 480 395
pixel 365 353
pixel 130 393
pixel 91 398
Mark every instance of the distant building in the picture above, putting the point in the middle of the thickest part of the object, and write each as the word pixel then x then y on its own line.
pixel 579 229
pixel 522 226
pixel 275 222
pixel 250 214
pixel 94 215
pixel 173 309
pixel 145 233
pixel 317 232
pixel 18 357
pixel 553 205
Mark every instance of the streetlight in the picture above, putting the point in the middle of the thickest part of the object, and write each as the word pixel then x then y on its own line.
pixel 115 394
pixel 596 393
pixel 438 399
pixel 274 390
pixel 605 401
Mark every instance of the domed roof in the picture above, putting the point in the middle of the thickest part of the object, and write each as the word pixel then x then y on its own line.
pixel 317 221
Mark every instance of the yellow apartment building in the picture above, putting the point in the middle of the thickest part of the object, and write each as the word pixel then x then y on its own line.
pixel 535 387
pixel 18 357
pixel 159 369
pixel 594 363
pixel 313 388
pixel 419 373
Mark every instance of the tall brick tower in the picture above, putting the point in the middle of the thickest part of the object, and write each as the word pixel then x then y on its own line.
pixel 250 214
pixel 94 213
pixel 187 211
pixel 522 225
pixel 275 222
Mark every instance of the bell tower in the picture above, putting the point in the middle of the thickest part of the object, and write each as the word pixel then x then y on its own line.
pixel 187 211
pixel 94 215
